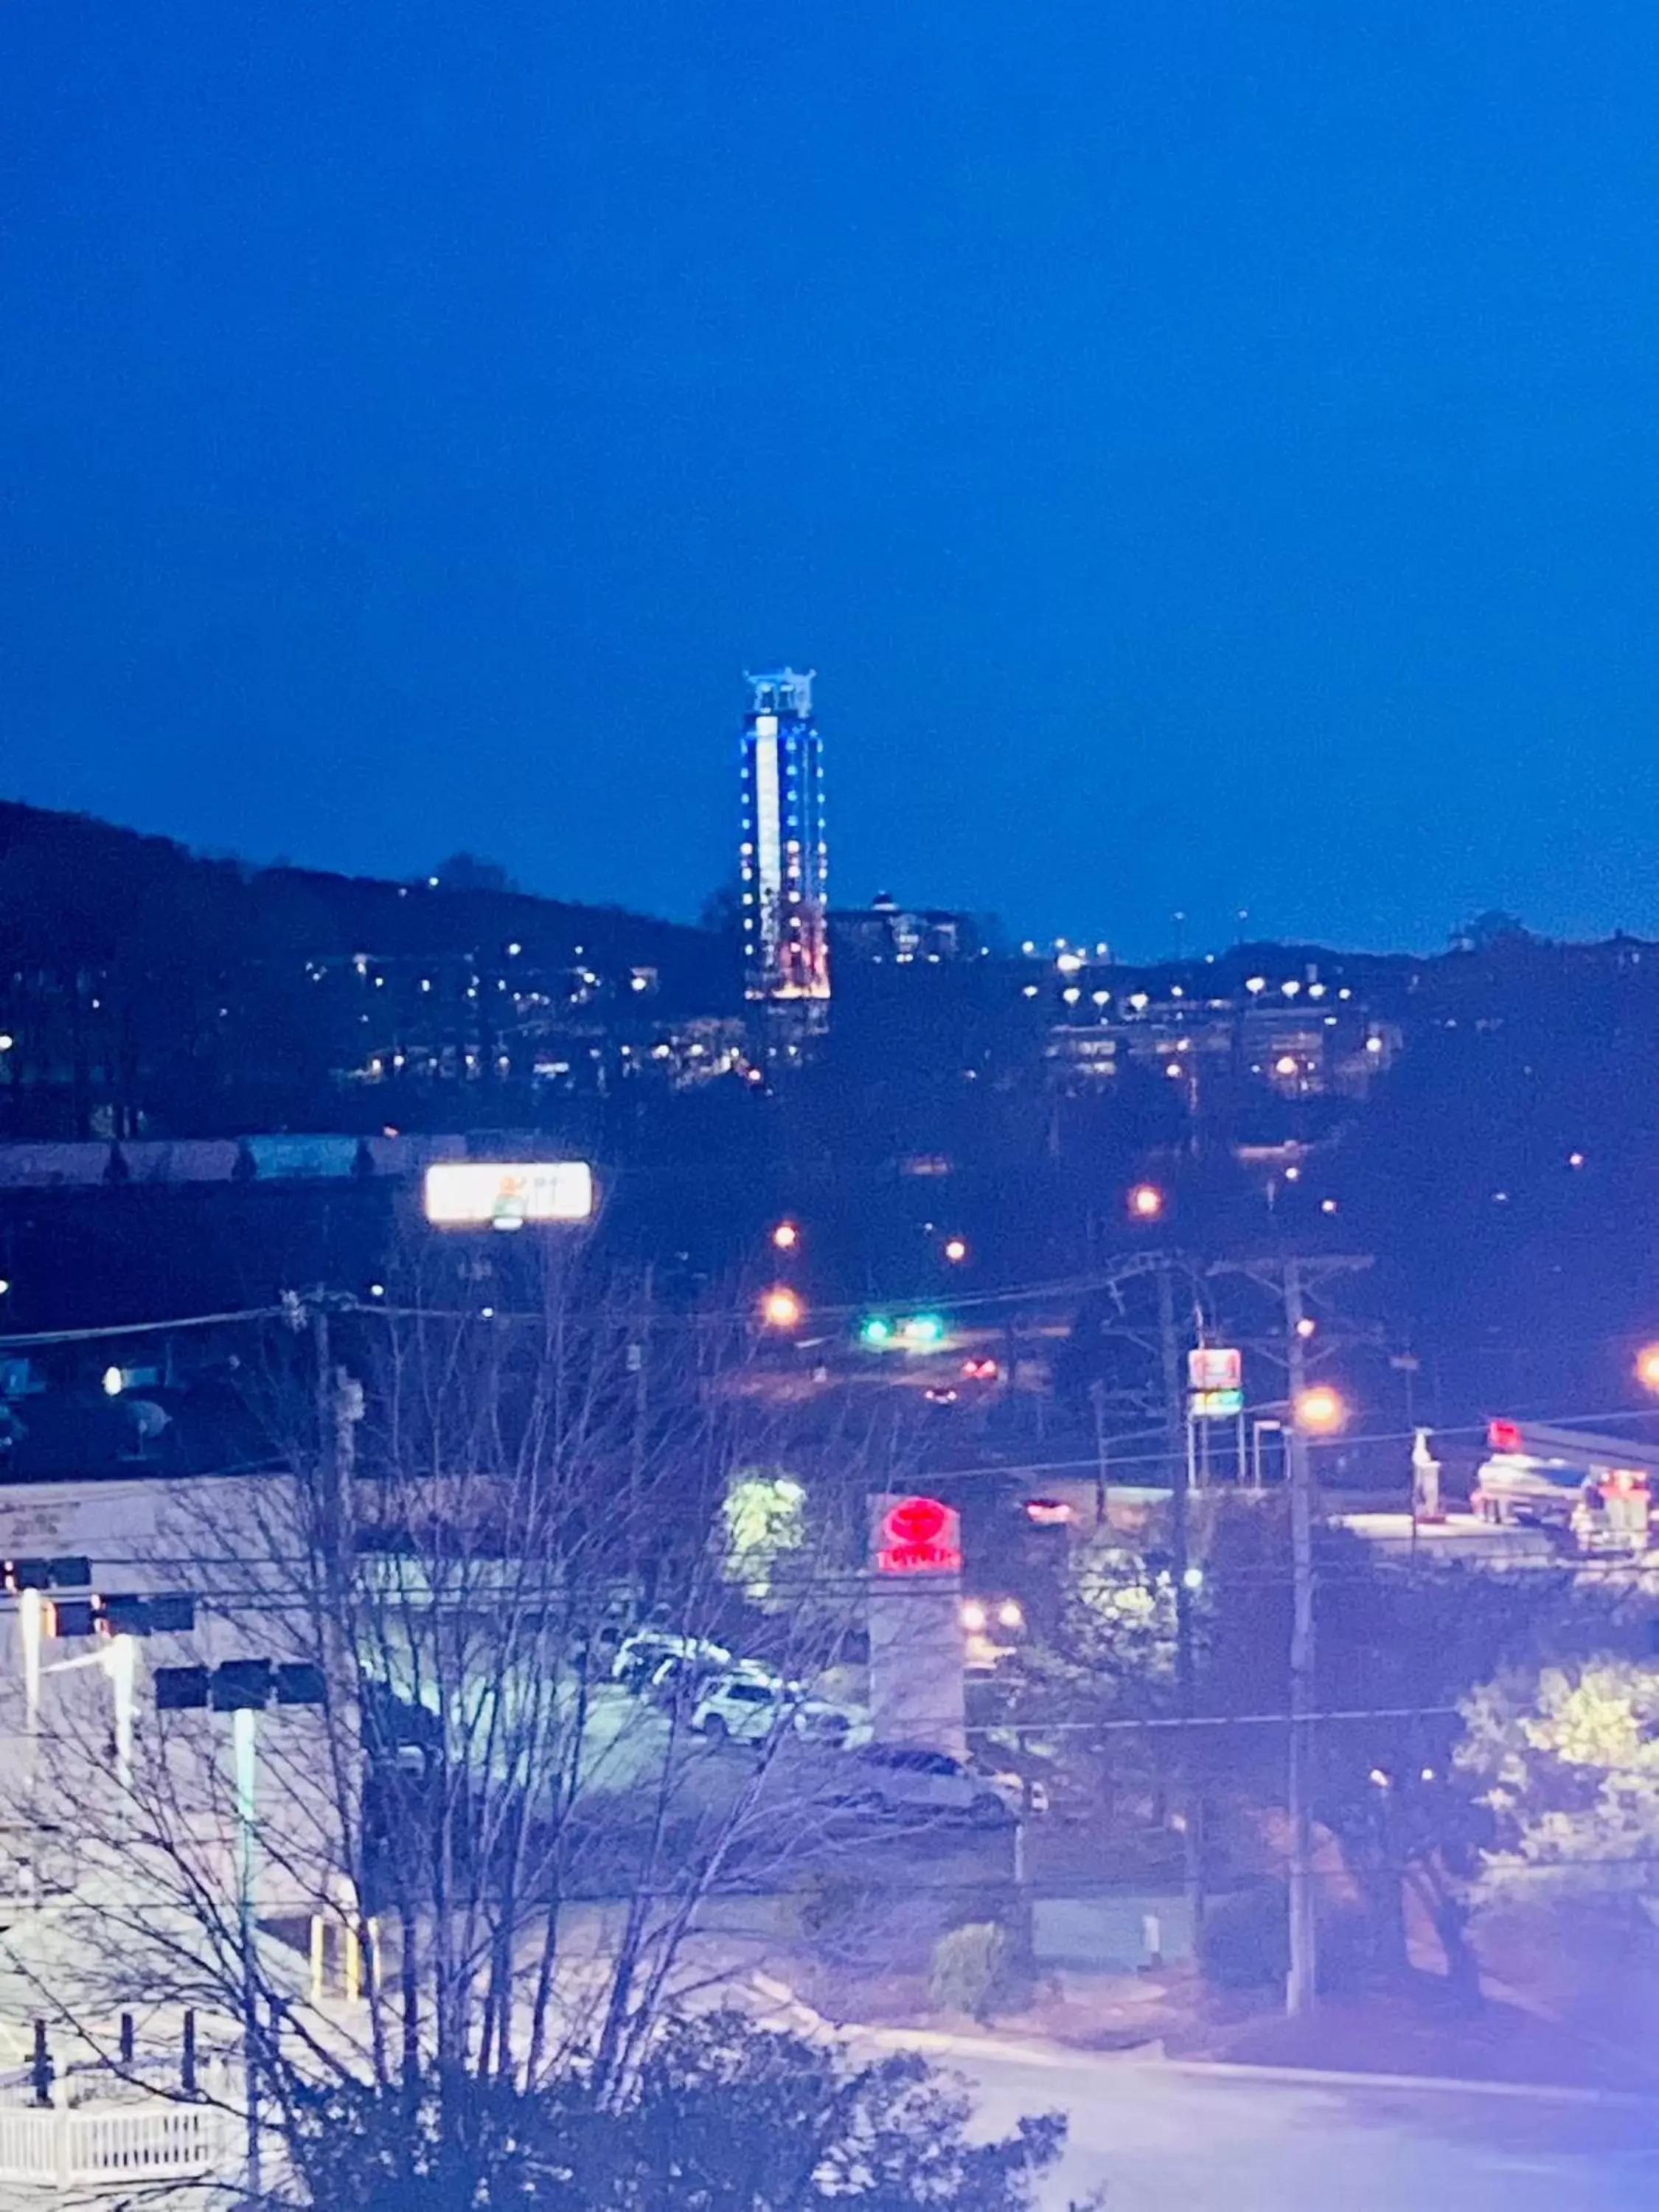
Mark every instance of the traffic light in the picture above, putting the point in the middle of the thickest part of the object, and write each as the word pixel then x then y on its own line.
pixel 67 1573
pixel 123 1613
pixel 238 1686
pixel 181 1689
pixel 875 1330
pixel 299 1683
pixel 70 1616
pixel 129 1614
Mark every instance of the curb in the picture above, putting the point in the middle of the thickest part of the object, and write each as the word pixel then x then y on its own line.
pixel 1066 2057
pixel 965 2047
pixel 1313 2077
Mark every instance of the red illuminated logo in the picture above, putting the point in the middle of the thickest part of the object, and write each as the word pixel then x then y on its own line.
pixel 918 1536
pixel 1503 1435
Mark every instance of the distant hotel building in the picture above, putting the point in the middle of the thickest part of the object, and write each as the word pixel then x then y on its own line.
pixel 785 942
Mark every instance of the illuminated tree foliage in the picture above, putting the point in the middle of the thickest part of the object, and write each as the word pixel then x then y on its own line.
pixel 1568 1762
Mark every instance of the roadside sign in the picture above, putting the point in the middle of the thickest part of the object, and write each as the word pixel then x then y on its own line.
pixel 1215 1367
pixel 1215 1405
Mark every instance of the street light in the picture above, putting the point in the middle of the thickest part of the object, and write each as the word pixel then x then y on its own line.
pixel 782 1309
pixel 956 1250
pixel 786 1237
pixel 1647 1367
pixel 1320 1412
pixel 1145 1201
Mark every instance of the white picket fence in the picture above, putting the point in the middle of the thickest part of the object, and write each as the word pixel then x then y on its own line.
pixel 148 2138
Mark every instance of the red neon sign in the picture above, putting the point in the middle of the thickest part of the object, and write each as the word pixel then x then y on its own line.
pixel 918 1535
pixel 1504 1435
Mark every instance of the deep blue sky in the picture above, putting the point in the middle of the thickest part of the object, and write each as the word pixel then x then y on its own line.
pixel 1208 451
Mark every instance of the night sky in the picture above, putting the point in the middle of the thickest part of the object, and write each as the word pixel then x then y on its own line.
pixel 1208 451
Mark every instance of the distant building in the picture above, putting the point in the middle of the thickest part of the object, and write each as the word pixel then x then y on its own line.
pixel 785 857
pixel 1300 1038
pixel 886 931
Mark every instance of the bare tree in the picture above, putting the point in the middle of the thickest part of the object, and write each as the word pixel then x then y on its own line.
pixel 522 1863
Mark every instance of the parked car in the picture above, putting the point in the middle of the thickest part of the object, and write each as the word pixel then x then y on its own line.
pixel 743 1706
pixel 639 1656
pixel 681 1674
pixel 1021 1796
pixel 885 1775
pixel 826 1722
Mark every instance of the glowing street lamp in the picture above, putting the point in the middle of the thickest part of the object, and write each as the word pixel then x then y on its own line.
pixel 956 1250
pixel 786 1237
pixel 1320 1412
pixel 1145 1201
pixel 782 1309
pixel 1647 1367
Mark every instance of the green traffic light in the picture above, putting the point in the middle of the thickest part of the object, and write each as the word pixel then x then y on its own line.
pixel 877 1329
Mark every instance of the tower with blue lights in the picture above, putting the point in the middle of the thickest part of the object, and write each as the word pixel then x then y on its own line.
pixel 785 859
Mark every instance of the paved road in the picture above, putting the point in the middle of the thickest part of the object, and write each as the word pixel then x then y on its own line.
pixel 1161 2140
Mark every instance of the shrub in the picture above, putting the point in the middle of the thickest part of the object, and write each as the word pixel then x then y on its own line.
pixel 1245 1941
pixel 968 1969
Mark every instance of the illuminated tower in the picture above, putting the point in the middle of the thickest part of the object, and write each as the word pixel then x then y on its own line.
pixel 785 946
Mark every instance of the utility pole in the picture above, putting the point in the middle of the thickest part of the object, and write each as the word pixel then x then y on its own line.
pixel 1289 1281
pixel 639 1359
pixel 1097 1401
pixel 1175 1425
pixel 1302 1982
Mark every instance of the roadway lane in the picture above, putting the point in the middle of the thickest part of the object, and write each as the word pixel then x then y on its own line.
pixel 1160 2139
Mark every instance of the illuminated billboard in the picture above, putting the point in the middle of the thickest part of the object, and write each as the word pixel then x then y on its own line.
pixel 508 1194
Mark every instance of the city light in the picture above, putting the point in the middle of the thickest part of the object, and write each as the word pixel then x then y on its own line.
pixel 786 1237
pixel 1647 1367
pixel 956 1250
pixel 1145 1201
pixel 1307 1326
pixel 1320 1412
pixel 974 1616
pixel 1010 1614
pixel 114 1382
pixel 782 1309
pixel 922 1329
pixel 876 1330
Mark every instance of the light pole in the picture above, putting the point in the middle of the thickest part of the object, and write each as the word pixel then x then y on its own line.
pixel 244 1739
pixel 1314 1412
pixel 244 1688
